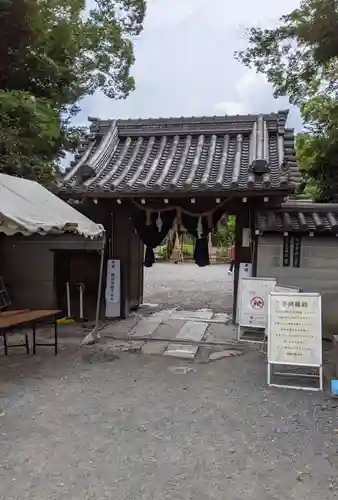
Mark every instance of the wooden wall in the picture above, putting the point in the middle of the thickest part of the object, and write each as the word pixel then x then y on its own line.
pixel 27 267
pixel 128 248
pixel 123 244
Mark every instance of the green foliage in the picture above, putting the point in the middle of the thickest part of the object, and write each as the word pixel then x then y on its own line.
pixel 300 60
pixel 162 252
pixel 222 254
pixel 69 55
pixel 317 149
pixel 187 250
pixel 57 53
pixel 225 235
pixel 30 154
pixel 319 27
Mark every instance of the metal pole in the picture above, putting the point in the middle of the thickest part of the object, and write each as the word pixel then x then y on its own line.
pixel 94 335
pixel 68 300
pixel 81 288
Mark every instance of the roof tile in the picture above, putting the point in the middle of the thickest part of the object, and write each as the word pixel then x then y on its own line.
pixel 300 217
pixel 187 154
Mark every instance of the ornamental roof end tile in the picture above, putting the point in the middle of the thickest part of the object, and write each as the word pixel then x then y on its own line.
pixel 186 155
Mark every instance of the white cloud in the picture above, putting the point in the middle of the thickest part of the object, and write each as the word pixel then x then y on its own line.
pixel 230 108
pixel 253 94
pixel 185 63
pixel 248 88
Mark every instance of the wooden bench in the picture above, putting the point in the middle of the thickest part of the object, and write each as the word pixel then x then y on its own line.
pixel 19 318
pixel 5 314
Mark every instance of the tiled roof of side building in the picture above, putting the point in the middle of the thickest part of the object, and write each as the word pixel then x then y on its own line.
pixel 207 154
pixel 300 217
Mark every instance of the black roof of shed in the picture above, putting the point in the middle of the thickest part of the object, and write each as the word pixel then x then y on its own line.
pixel 305 217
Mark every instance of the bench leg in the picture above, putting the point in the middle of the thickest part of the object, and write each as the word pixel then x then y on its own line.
pixel 55 337
pixel 5 343
pixel 26 343
pixel 34 338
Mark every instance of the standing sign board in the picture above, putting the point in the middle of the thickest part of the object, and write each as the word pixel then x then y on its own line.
pixel 113 289
pixel 245 271
pixel 254 295
pixel 295 332
pixel 287 289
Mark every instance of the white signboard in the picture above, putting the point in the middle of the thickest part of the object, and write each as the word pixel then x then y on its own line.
pixel 295 329
pixel 113 286
pixel 254 296
pixel 245 271
pixel 286 289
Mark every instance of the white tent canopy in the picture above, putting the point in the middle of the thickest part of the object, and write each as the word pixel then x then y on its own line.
pixel 28 208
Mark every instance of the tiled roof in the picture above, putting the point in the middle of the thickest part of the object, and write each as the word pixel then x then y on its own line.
pixel 186 154
pixel 300 217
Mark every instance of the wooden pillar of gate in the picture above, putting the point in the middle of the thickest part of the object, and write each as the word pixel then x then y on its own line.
pixel 243 248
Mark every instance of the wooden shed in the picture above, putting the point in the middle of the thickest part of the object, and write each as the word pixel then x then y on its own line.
pixel 45 243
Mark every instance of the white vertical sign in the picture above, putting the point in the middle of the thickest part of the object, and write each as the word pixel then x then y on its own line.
pixel 113 289
pixel 245 271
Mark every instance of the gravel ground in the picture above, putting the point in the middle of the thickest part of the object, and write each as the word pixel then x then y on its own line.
pixel 89 425
pixel 188 286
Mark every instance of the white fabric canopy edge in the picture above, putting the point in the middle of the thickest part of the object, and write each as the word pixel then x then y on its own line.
pixel 28 208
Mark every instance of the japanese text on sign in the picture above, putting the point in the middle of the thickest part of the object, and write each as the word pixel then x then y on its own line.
pixel 286 250
pixel 113 281
pixel 296 250
pixel 295 334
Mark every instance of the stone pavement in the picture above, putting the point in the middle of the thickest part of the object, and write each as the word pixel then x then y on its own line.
pixel 170 331
pixel 183 303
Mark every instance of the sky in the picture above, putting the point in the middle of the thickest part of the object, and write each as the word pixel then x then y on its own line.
pixel 185 63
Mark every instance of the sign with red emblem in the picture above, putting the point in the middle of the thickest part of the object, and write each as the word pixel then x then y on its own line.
pixel 254 295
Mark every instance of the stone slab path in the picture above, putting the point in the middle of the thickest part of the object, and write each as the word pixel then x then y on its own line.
pixel 171 330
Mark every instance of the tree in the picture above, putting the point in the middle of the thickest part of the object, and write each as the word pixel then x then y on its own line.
pixel 57 53
pixel 297 56
pixel 29 154
pixel 300 59
pixel 317 149
pixel 319 27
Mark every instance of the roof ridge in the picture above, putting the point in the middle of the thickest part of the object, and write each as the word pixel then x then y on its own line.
pixel 278 116
pixel 297 206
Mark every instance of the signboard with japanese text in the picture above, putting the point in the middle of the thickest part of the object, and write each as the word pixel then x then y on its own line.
pixel 286 250
pixel 297 241
pixel 113 285
pixel 254 296
pixel 295 329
